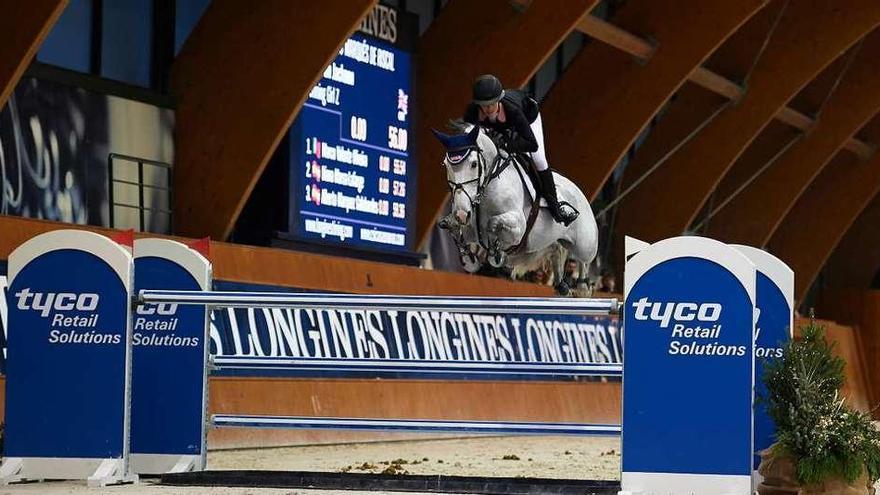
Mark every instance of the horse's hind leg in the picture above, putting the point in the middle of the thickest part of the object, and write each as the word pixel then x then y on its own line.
pixel 584 242
pixel 583 276
pixel 561 254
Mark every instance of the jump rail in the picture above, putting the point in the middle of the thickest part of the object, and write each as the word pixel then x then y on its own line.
pixel 420 425
pixel 454 304
pixel 405 366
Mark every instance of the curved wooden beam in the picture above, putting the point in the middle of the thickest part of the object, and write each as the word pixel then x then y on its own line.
pixel 689 110
pixel 240 79
pixel 24 26
pixel 753 215
pixel 814 96
pixel 668 201
pixel 823 214
pixel 692 108
pixel 856 260
pixel 468 39
pixel 771 141
pixel 733 59
pixel 605 97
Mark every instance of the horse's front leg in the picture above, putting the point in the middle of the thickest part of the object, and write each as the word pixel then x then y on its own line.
pixel 505 231
pixel 472 257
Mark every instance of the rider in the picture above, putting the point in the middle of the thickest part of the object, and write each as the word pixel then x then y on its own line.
pixel 501 110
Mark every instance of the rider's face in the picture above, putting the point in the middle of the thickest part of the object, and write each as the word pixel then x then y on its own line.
pixel 490 109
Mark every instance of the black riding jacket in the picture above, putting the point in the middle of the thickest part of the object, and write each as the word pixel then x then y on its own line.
pixel 519 112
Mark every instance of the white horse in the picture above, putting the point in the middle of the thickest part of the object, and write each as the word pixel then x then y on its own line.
pixel 491 204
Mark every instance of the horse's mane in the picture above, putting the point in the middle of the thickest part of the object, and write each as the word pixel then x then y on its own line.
pixel 459 126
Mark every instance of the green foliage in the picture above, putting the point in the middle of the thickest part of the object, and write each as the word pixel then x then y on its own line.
pixel 814 426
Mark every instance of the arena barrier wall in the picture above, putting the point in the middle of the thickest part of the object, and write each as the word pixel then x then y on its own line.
pixel 670 285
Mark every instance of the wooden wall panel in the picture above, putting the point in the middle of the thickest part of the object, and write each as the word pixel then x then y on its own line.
pixel 847 345
pixel 860 309
pixel 239 81
pixel 578 402
pixel 468 39
pixel 586 402
pixel 605 98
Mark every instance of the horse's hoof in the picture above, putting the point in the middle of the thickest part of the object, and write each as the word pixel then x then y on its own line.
pixel 497 259
pixel 471 266
pixel 563 289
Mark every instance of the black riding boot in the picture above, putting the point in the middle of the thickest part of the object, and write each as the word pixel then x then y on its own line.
pixel 562 214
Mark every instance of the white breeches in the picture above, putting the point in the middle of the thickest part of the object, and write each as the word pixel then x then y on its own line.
pixel 539 157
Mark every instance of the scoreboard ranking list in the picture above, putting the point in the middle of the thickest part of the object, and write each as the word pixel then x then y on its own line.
pixel 350 150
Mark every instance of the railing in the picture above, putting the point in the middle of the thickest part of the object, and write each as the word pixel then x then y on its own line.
pixel 153 171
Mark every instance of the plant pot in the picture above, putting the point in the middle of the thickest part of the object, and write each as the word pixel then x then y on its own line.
pixel 780 478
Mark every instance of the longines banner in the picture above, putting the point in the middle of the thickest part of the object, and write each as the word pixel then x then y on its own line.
pixel 436 344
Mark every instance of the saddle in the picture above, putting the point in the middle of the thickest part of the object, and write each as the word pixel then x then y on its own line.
pixel 528 174
pixel 525 167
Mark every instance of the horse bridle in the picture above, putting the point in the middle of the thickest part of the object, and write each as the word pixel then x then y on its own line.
pixel 475 201
pixel 454 187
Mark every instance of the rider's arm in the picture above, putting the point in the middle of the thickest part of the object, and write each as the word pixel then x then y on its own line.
pixel 524 139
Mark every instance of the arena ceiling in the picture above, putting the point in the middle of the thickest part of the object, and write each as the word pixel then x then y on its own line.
pixel 765 115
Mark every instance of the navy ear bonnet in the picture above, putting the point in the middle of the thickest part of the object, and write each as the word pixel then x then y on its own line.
pixel 459 145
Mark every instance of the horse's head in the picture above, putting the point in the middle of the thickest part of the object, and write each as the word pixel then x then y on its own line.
pixel 468 160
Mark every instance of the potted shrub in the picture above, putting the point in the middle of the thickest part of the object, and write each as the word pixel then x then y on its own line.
pixel 822 445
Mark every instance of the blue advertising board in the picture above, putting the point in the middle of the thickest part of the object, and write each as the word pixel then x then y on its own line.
pixel 411 344
pixel 169 353
pixel 4 316
pixel 687 383
pixel 68 362
pixel 352 155
pixel 775 304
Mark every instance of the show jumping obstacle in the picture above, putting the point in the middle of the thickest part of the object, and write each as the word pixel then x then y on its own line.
pixel 98 389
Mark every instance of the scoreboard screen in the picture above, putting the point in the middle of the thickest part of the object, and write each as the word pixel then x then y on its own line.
pixel 351 151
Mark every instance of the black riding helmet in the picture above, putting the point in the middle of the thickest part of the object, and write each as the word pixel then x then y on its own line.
pixel 487 90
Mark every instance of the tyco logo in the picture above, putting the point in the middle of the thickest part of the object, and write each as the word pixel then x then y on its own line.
pixel 162 309
pixel 45 302
pixel 684 311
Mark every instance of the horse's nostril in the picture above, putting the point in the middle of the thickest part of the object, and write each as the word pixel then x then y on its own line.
pixel 462 216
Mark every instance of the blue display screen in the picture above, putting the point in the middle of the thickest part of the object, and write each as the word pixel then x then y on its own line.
pixel 351 165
